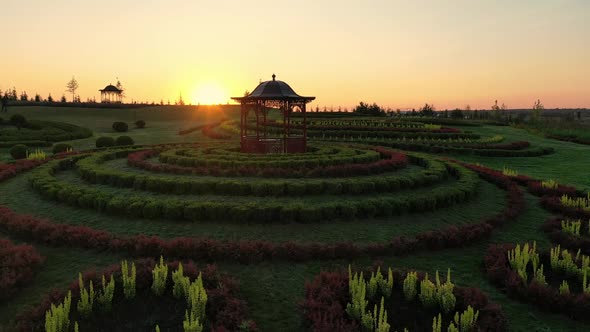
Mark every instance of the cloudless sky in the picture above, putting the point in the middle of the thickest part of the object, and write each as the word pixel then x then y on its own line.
pixel 399 54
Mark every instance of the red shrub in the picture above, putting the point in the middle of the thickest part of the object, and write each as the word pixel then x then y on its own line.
pixel 18 264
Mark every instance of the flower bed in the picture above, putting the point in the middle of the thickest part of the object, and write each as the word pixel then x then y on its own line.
pixel 564 232
pixel 146 294
pixel 551 281
pixel 335 301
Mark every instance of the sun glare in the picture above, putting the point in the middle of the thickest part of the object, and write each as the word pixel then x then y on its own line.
pixel 210 94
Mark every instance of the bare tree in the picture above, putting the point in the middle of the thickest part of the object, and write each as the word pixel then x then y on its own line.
pixel 72 86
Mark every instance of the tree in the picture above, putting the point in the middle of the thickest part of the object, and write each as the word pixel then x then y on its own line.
pixel 537 109
pixel 120 87
pixel 427 110
pixel 24 96
pixel 63 98
pixel 37 97
pixel 495 110
pixel 366 109
pixel 457 114
pixel 72 86
pixel 49 98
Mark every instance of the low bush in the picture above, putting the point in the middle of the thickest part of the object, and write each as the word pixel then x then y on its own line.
pixel 120 126
pixel 140 124
pixel 124 140
pixel 61 147
pixel 18 120
pixel 19 151
pixel 105 142
pixel 19 264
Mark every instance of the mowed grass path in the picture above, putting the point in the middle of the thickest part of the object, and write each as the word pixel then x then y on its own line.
pixel 273 289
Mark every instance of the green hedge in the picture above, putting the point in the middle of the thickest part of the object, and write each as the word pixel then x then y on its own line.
pixel 43 181
pixel 42 133
pixel 184 157
pixel 91 169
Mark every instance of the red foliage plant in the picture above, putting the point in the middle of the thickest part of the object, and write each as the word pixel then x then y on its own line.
pixel 17 266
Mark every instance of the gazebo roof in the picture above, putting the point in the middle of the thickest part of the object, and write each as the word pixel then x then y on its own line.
pixel 273 90
pixel 110 88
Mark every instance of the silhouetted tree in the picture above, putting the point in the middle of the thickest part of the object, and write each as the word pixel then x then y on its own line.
pixel 495 110
pixel 537 109
pixel 24 96
pixel 63 98
pixel 457 114
pixel 366 109
pixel 120 87
pixel 427 110
pixel 49 98
pixel 71 87
pixel 37 98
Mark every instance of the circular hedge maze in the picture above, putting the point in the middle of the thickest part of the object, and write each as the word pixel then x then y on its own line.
pixel 366 191
pixel 19 130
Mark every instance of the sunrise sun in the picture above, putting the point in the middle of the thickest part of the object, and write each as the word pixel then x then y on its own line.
pixel 209 94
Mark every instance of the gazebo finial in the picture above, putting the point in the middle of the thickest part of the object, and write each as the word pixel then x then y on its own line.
pixel 273 76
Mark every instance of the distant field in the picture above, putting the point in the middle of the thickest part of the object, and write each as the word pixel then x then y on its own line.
pixel 306 219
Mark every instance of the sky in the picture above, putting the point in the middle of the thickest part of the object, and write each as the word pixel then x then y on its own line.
pixel 398 54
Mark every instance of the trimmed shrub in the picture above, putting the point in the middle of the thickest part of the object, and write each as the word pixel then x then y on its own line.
pixel 105 142
pixel 19 151
pixel 61 147
pixel 120 126
pixel 124 140
pixel 18 121
pixel 140 124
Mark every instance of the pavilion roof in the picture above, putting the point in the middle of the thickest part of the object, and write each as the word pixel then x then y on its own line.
pixel 273 90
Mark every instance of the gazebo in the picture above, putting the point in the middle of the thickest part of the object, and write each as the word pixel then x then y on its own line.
pixel 111 94
pixel 254 126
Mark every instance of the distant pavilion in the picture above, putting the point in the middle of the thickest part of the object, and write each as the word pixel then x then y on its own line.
pixel 111 94
pixel 253 123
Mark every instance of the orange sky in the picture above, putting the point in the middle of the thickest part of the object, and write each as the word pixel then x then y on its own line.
pixel 399 54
